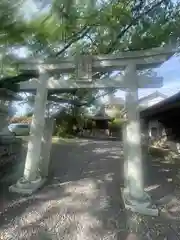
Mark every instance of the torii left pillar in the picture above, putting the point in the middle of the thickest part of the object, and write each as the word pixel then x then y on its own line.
pixel 32 180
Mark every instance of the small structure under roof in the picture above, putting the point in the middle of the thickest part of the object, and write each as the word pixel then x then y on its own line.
pixel 101 119
pixel 101 115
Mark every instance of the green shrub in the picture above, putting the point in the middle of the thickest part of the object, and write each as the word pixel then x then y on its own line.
pixel 65 125
pixel 61 131
pixel 115 125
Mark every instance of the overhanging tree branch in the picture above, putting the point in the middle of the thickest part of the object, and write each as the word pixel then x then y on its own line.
pixel 79 35
pixel 122 33
pixel 132 23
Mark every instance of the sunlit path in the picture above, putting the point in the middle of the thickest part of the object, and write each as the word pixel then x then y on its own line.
pixel 82 199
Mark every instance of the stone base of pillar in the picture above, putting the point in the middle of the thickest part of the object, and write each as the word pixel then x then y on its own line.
pixel 27 187
pixel 144 206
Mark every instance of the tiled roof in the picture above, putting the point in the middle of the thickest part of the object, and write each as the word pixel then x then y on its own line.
pixel 166 104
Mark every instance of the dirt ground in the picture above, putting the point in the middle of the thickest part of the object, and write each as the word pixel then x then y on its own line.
pixel 82 198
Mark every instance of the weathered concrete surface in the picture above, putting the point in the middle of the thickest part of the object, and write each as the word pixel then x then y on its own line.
pixel 81 201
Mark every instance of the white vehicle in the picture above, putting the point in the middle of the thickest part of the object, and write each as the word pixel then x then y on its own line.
pixel 19 129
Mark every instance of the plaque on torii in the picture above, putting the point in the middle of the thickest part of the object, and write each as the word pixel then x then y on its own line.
pixel 83 68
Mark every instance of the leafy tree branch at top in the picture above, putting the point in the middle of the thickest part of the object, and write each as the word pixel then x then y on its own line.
pixel 71 27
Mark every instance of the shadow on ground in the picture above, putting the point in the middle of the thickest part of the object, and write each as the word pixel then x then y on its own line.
pixel 81 199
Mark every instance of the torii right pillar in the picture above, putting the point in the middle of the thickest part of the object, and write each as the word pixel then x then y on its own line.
pixel 135 199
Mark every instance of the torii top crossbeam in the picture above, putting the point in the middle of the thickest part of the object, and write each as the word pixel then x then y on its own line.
pixel 143 59
pixel 85 66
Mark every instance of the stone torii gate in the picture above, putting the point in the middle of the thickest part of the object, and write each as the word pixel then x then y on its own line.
pixel 131 63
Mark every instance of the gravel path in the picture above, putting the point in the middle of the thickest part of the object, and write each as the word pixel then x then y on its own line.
pixel 81 201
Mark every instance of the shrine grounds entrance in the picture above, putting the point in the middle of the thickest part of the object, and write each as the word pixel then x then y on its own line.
pixel 133 76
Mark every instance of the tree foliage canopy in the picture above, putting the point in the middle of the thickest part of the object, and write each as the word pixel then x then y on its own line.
pixel 95 27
